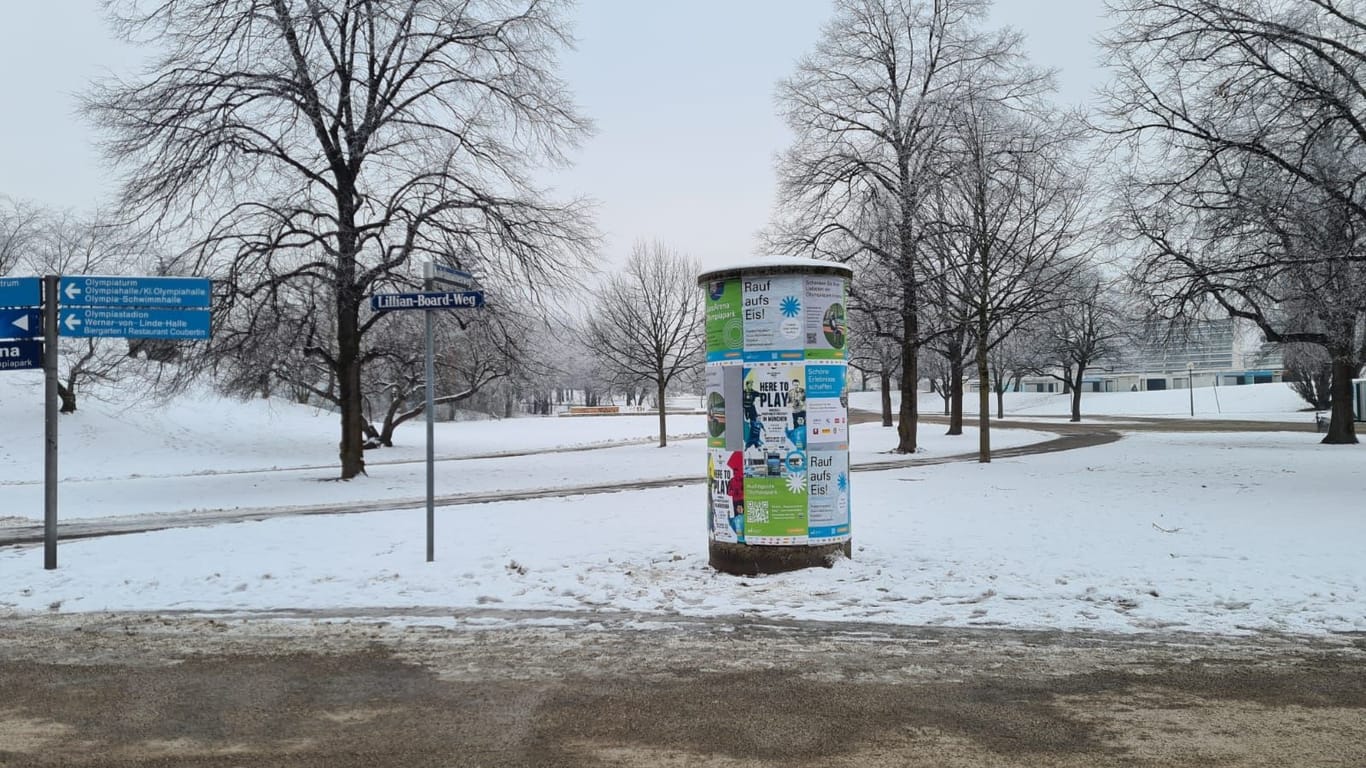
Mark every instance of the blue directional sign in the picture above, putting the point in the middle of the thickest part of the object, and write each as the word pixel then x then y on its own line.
pixel 384 302
pixel 107 322
pixel 21 291
pixel 20 355
pixel 93 291
pixel 20 323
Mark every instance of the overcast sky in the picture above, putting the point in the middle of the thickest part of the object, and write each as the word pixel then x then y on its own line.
pixel 681 91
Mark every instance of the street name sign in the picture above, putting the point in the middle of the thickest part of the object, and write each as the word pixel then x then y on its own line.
pixel 456 278
pixel 21 291
pixel 107 322
pixel 20 323
pixel 21 355
pixel 98 291
pixel 384 302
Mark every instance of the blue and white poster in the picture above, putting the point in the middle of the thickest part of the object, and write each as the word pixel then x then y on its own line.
pixel 773 320
pixel 827 476
pixel 827 405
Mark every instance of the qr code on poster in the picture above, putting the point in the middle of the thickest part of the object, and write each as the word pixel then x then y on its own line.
pixel 758 512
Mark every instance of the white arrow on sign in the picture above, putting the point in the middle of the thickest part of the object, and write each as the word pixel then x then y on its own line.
pixel 22 322
pixel 72 291
pixel 72 322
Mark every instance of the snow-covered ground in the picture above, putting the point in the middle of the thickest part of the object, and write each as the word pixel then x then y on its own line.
pixel 1219 533
pixel 1255 402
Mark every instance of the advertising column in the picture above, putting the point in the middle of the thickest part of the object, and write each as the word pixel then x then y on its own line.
pixel 777 415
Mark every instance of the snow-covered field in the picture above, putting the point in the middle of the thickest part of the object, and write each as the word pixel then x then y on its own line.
pixel 1216 533
pixel 1258 402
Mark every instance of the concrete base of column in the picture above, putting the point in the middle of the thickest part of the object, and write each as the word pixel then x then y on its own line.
pixel 745 560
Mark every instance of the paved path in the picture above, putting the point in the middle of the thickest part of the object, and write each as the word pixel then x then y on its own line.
pixel 1068 436
pixel 21 532
pixel 660 692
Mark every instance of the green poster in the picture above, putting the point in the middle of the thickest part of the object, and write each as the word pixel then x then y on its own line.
pixel 775 508
pixel 725 328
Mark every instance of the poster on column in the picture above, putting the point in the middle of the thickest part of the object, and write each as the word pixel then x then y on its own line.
pixel 725 328
pixel 774 408
pixel 775 509
pixel 827 405
pixel 828 495
pixel 825 323
pixel 773 318
pixel 725 408
pixel 726 496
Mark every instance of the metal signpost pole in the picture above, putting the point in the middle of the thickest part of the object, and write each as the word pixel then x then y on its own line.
pixel 1190 384
pixel 431 420
pixel 429 301
pixel 50 422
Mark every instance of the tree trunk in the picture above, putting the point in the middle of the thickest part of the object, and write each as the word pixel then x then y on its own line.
pixel 1000 401
pixel 663 431
pixel 983 395
pixel 386 433
pixel 955 397
pixel 886 379
pixel 1076 394
pixel 349 393
pixel 909 414
pixel 1341 429
pixel 67 396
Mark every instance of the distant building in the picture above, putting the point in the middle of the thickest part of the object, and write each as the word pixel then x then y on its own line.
pixel 1207 353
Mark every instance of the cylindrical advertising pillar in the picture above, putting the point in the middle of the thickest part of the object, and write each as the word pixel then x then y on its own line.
pixel 777 415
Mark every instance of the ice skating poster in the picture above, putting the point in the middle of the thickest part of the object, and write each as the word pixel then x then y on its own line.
pixel 827 479
pixel 773 324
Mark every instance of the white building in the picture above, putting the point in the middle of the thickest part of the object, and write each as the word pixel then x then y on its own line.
pixel 1208 353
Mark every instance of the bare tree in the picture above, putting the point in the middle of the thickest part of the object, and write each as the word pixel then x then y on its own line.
pixel 1242 121
pixel 949 347
pixel 876 344
pixel 869 107
pixel 19 225
pixel 1012 359
pixel 1310 373
pixel 878 355
pixel 1087 327
pixel 65 243
pixel 1011 218
pixel 320 150
pixel 645 322
pixel 470 356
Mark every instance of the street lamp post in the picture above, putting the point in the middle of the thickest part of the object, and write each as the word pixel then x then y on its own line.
pixel 1190 384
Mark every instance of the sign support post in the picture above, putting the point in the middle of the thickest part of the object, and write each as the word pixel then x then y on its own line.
pixel 50 422
pixel 431 422
pixel 429 301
